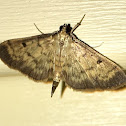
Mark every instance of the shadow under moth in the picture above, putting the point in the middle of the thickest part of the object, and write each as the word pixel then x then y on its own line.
pixel 62 57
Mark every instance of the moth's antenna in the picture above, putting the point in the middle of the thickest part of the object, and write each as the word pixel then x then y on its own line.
pixel 78 24
pixel 38 29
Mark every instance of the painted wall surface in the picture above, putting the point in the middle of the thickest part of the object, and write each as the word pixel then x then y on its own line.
pixel 27 103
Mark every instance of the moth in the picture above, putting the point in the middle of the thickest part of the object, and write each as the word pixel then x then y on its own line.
pixel 62 56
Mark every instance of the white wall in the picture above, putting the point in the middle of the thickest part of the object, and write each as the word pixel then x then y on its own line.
pixel 27 103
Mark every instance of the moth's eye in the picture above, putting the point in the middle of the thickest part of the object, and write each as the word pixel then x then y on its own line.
pixel 68 29
pixel 61 27
pixel 68 25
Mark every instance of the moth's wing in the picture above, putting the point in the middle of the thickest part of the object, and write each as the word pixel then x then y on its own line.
pixel 32 56
pixel 85 68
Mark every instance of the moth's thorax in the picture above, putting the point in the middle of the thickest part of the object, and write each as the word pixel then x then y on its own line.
pixel 62 46
pixel 64 41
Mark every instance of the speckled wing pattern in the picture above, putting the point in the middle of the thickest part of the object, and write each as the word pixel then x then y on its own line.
pixel 33 56
pixel 85 68
pixel 61 56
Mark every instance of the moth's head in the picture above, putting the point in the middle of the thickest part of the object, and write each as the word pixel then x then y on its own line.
pixel 65 28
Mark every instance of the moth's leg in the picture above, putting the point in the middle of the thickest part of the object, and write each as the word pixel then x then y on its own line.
pixel 77 25
pixel 98 45
pixel 63 87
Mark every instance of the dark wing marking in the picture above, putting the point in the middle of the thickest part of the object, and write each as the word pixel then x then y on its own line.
pixel 74 75
pixel 85 68
pixel 32 56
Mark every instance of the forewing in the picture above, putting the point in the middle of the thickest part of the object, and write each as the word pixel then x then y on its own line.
pixel 74 75
pixel 32 56
pixel 85 68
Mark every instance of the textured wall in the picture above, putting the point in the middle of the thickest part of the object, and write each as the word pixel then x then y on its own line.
pixel 26 103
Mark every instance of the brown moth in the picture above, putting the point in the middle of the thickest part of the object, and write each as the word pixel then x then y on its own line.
pixel 61 56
